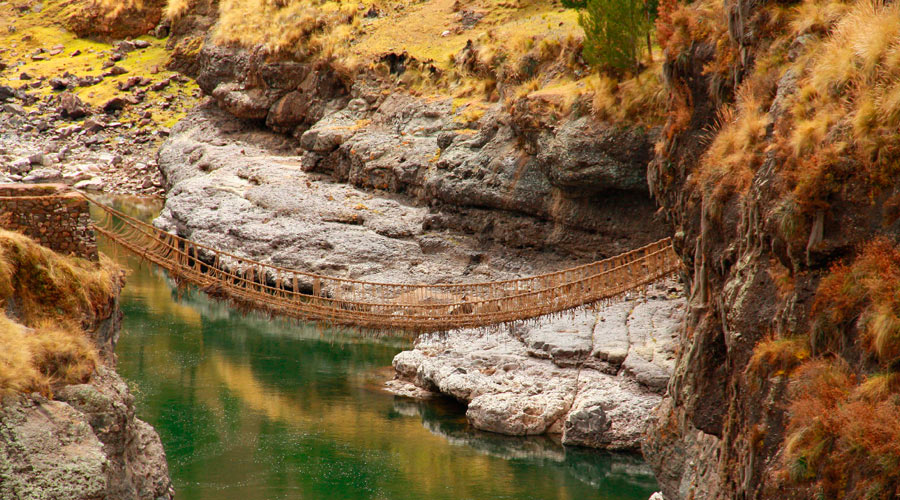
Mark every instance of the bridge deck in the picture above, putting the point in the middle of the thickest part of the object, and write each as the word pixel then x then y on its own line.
pixel 390 306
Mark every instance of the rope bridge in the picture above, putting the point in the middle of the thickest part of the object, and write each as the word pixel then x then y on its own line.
pixel 391 306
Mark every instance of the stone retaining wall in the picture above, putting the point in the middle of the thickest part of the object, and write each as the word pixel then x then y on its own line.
pixel 51 214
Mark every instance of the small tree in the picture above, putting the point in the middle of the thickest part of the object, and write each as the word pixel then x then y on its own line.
pixel 613 31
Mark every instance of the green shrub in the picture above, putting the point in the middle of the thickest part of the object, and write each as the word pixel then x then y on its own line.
pixel 614 31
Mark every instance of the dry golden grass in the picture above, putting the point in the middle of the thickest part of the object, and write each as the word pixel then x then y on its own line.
pixel 846 107
pixel 842 438
pixel 878 387
pixel 17 374
pixel 35 360
pixel 637 99
pixel 50 298
pixel 44 29
pixel 115 8
pixel 736 150
pixel 78 290
pixel 518 47
pixel 774 357
pixel 177 8
pixel 816 16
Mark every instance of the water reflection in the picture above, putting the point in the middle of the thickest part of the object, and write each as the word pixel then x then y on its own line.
pixel 250 408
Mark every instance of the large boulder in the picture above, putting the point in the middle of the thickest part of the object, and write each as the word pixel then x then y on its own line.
pixel 556 376
pixel 585 157
pixel 96 18
pixel 247 104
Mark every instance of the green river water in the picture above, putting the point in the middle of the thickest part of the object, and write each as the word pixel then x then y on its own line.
pixel 254 409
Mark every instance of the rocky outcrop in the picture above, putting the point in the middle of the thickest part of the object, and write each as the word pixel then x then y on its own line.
pixel 513 176
pixel 592 376
pixel 562 191
pixel 85 442
pixel 238 187
pixel 62 139
pixel 234 186
pixel 242 189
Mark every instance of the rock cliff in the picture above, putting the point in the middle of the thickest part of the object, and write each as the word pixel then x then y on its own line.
pixel 777 225
pixel 75 439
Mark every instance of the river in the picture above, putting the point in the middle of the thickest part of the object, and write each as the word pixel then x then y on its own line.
pixel 250 408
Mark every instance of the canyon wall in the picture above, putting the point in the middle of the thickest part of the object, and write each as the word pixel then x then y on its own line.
pixel 779 229
pixel 68 429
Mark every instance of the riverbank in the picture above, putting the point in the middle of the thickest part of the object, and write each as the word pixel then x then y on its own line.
pixel 591 377
pixel 67 424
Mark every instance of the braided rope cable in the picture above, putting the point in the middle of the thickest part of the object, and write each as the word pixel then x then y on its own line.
pixel 414 308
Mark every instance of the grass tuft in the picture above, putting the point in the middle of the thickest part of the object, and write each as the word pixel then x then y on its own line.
pixel 841 437
pixel 46 301
pixel 776 357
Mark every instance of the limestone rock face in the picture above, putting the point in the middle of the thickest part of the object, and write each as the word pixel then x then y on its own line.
pixel 48 450
pixel 556 376
pixel 241 189
pixel 86 444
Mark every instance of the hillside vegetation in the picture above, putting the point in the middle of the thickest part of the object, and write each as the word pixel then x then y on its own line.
pixel 794 178
pixel 41 45
pixel 46 301
pixel 480 51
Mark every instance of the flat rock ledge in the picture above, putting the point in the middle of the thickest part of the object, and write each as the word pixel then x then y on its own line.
pixel 593 376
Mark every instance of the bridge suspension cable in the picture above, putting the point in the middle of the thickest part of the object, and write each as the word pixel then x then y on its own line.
pixel 385 306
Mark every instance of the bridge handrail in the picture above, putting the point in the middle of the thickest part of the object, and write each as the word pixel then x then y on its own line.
pixel 484 303
pixel 660 243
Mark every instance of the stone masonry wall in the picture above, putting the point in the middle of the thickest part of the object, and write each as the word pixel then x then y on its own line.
pixel 50 214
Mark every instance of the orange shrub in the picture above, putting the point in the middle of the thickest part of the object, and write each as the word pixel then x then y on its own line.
pixel 845 445
pixel 777 356
pixel 865 289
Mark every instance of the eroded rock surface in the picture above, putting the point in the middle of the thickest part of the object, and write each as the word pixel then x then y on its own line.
pixel 568 375
pixel 238 188
pixel 85 443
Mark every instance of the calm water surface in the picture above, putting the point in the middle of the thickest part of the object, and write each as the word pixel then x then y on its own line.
pixel 253 409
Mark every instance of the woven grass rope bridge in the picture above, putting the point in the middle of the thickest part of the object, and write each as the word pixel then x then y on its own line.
pixel 412 308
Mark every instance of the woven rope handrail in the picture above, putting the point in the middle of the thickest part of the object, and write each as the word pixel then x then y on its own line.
pixel 373 305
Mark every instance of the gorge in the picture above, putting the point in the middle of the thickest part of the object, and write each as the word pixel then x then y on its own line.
pixel 448 141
